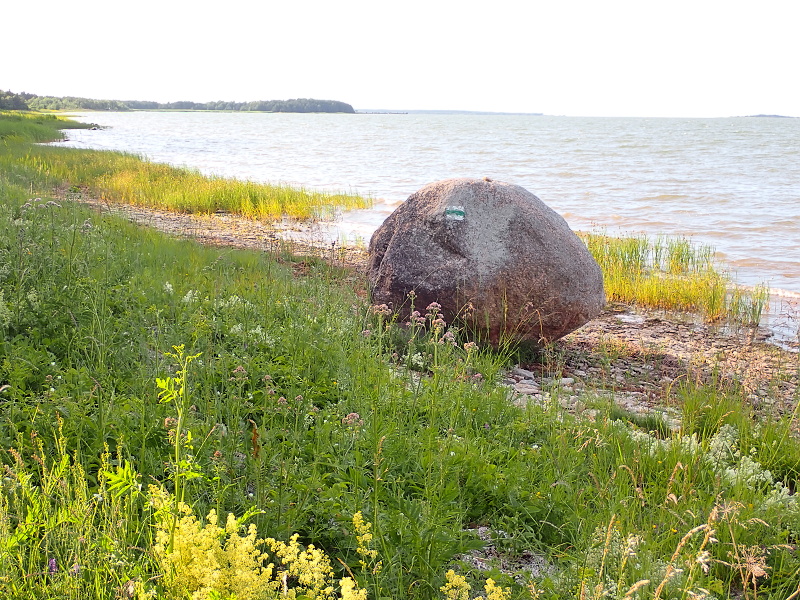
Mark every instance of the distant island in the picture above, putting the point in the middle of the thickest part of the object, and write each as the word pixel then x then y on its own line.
pixel 24 101
pixel 770 116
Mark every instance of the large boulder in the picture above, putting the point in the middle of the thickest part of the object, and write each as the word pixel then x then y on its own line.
pixel 492 255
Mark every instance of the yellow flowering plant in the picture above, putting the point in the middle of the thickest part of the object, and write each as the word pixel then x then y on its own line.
pixel 364 549
pixel 457 588
pixel 207 561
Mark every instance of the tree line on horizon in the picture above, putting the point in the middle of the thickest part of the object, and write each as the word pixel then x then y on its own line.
pixel 11 101
pixel 25 101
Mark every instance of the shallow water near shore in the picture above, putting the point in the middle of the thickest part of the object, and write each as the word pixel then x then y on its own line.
pixel 731 183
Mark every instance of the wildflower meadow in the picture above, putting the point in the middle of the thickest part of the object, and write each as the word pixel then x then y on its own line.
pixel 182 421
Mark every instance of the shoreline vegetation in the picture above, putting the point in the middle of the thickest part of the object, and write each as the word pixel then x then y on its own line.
pixel 124 177
pixel 24 101
pixel 184 420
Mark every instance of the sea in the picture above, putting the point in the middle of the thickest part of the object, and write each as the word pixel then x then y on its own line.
pixel 729 183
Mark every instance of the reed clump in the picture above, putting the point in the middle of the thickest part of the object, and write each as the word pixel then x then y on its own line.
pixel 673 274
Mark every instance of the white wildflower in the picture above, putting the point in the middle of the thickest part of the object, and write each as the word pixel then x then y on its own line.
pixel 723 448
pixel 33 299
pixel 779 497
pixel 5 312
pixel 748 472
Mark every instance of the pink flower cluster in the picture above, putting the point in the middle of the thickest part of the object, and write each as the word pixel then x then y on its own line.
pixel 432 309
pixel 353 419
pixel 239 374
pixel 448 338
pixel 381 309
pixel 415 318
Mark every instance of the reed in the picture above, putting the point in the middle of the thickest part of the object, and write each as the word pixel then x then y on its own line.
pixel 673 274
pixel 131 179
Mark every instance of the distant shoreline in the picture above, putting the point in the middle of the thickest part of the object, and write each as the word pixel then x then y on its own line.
pixel 769 117
pixel 379 111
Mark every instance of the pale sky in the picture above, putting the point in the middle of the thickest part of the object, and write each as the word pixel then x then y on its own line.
pixel 683 58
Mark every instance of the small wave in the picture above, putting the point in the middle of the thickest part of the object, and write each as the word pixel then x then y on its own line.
pixel 776 294
pixel 392 203
pixel 786 268
pixel 791 223
pixel 665 197
pixel 786 294
pixel 750 263
pixel 755 229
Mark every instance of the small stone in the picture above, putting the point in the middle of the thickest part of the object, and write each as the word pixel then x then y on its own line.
pixel 524 373
pixel 527 388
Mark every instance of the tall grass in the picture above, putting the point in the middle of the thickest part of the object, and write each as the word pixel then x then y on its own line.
pixel 63 532
pixel 34 127
pixel 307 405
pixel 673 274
pixel 386 445
pixel 121 177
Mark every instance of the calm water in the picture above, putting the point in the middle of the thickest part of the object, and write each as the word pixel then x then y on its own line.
pixel 731 183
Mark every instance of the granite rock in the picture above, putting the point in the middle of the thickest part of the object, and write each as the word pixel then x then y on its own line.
pixel 493 255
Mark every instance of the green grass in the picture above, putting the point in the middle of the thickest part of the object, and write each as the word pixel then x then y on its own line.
pixel 33 127
pixel 673 274
pixel 307 405
pixel 294 410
